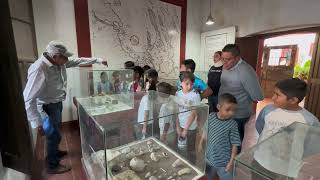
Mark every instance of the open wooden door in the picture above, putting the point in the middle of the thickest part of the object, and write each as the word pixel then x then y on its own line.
pixel 313 96
pixel 15 139
pixel 278 63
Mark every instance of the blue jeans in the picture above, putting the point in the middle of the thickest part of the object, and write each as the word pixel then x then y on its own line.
pixel 241 126
pixel 212 171
pixel 54 111
pixel 213 102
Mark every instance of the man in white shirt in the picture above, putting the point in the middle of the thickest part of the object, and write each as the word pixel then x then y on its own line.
pixel 46 88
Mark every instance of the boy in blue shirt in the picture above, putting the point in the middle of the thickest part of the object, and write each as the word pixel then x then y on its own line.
pixel 199 85
pixel 222 138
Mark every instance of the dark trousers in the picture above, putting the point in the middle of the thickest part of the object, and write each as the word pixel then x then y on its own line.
pixel 54 111
pixel 212 172
pixel 189 152
pixel 213 102
pixel 241 126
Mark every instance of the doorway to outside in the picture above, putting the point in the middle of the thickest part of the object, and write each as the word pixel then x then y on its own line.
pixel 284 57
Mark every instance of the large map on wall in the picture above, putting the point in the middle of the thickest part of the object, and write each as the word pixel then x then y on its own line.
pixel 144 31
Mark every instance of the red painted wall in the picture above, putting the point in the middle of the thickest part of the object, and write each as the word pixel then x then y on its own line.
pixel 83 29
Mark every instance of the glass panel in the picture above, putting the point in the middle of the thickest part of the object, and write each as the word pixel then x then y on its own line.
pixel 290 153
pixel 279 57
pixel 141 138
pixel 88 82
pixel 93 157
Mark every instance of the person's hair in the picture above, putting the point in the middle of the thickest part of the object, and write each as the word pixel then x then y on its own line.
pixel 293 87
pixel 219 52
pixel 152 73
pixel 128 64
pixel 232 48
pixel 102 73
pixel 189 64
pixel 139 70
pixel 227 98
pixel 146 67
pixel 164 87
pixel 187 75
pixel 115 74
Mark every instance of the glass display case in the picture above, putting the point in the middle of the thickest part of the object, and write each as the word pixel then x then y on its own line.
pixel 142 142
pixel 89 81
pixel 292 153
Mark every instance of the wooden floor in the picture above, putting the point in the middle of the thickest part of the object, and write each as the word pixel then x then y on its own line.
pixel 70 142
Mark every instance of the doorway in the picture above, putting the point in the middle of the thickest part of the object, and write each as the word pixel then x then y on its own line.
pixel 284 57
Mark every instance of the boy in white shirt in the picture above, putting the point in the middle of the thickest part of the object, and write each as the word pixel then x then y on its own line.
pixel 145 116
pixel 167 114
pixel 186 123
pixel 285 111
pixel 104 86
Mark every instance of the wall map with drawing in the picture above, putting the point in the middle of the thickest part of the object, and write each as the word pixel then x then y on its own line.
pixel 143 31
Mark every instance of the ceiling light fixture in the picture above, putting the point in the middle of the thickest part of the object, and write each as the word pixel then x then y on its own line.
pixel 210 20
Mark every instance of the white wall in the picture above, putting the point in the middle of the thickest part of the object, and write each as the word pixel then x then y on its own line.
pixel 55 20
pixel 193 30
pixel 254 16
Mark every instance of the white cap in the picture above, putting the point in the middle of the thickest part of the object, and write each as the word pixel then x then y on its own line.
pixel 55 47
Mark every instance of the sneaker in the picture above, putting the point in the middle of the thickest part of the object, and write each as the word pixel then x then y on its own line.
pixel 60 169
pixel 61 154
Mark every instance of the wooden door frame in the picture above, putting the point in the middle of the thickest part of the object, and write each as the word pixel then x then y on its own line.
pixel 314 80
pixel 262 37
pixel 311 106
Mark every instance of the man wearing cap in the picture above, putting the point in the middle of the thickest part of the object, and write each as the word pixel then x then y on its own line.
pixel 46 88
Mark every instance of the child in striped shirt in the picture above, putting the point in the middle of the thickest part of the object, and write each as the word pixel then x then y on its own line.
pixel 222 138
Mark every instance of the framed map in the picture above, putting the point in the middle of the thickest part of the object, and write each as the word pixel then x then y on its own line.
pixel 146 32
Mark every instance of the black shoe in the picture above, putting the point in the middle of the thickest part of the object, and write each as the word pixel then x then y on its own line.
pixel 61 154
pixel 60 169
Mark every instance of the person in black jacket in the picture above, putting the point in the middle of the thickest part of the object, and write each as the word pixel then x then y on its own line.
pixel 214 80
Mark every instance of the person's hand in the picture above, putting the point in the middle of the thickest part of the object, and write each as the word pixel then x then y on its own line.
pixel 41 131
pixel 229 166
pixel 178 131
pixel 104 63
pixel 184 133
pixel 163 137
pixel 200 148
pixel 101 61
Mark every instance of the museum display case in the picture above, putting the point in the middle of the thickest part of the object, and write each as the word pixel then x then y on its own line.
pixel 291 153
pixel 92 81
pixel 142 142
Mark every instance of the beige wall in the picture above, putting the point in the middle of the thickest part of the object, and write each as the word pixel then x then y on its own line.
pixel 254 16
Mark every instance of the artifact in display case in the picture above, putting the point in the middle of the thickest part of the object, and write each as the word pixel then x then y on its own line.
pixel 144 142
pixel 291 153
